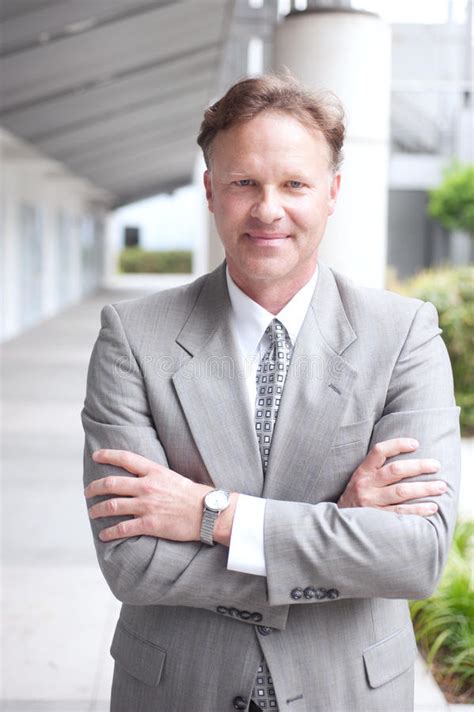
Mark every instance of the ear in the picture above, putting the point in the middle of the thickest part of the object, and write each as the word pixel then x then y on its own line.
pixel 208 187
pixel 334 192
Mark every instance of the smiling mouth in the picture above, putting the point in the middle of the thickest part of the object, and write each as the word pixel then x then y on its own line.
pixel 266 238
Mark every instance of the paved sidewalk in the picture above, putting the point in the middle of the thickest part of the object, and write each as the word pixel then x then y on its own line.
pixel 58 612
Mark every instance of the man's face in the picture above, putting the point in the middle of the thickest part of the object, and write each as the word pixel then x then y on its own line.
pixel 271 190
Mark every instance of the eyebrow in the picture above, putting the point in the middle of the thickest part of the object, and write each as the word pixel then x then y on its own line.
pixel 296 175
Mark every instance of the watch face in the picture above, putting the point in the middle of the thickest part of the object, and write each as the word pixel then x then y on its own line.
pixel 217 500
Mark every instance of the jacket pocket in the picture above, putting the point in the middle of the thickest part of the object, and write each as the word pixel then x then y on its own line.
pixel 390 657
pixel 141 658
pixel 354 432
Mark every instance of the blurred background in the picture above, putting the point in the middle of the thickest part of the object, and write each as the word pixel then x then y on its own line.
pixel 101 199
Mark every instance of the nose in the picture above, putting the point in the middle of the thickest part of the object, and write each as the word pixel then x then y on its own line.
pixel 267 207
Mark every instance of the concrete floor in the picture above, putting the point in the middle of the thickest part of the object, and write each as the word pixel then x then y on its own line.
pixel 58 613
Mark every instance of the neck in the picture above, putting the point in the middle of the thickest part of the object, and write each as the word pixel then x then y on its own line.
pixel 273 294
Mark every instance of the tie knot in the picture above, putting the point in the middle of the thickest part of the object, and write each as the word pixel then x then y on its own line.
pixel 278 334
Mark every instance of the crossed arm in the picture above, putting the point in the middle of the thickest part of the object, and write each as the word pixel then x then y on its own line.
pixel 152 556
pixel 167 505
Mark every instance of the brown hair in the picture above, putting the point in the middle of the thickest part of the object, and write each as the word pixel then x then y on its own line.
pixel 244 100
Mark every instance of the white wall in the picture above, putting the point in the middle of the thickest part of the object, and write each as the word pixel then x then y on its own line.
pixel 33 183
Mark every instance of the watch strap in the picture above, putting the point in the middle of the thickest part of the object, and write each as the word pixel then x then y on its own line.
pixel 207 526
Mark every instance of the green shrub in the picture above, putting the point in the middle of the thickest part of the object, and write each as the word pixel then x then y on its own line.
pixel 452 202
pixel 451 290
pixel 444 622
pixel 136 260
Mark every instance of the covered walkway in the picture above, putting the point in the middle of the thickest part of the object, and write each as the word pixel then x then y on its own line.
pixel 58 612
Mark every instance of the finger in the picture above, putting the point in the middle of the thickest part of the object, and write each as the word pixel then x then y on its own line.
pixel 123 530
pixel 130 461
pixel 125 486
pixel 423 509
pixel 405 491
pixel 116 507
pixel 384 449
pixel 400 469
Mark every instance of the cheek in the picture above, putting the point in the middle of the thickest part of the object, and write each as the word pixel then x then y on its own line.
pixel 303 213
pixel 231 207
pixel 309 213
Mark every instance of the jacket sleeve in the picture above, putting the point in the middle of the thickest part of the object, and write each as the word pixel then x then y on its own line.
pixel 146 570
pixel 364 552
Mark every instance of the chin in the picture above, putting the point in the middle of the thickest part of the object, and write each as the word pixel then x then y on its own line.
pixel 265 271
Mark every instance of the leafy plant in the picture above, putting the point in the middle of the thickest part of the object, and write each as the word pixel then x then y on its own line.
pixel 451 290
pixel 444 622
pixel 452 202
pixel 136 260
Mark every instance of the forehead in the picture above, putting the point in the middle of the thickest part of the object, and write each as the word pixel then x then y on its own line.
pixel 267 135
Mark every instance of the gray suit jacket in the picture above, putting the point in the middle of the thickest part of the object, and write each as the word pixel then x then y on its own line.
pixel 165 380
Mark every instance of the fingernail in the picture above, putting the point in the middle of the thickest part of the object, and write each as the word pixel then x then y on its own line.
pixel 432 509
pixel 413 443
pixel 435 463
pixel 443 487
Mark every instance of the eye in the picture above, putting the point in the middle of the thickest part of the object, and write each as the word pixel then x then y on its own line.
pixel 296 184
pixel 244 183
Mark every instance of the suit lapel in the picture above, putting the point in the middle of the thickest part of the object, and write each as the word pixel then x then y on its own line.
pixel 317 388
pixel 212 392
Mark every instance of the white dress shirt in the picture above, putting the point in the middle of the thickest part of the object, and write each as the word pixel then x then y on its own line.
pixel 249 321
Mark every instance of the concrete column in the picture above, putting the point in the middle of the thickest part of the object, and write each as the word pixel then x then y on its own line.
pixel 348 52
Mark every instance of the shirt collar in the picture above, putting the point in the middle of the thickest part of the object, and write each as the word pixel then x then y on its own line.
pixel 251 319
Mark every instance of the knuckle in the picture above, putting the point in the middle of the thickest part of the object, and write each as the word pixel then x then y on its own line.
pixel 112 506
pixel 147 507
pixel 362 495
pixel 148 486
pixel 401 491
pixel 396 468
pixel 378 449
pixel 147 522
pixel 121 529
pixel 109 484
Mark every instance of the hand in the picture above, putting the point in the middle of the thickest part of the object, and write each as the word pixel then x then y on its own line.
pixel 164 503
pixel 375 484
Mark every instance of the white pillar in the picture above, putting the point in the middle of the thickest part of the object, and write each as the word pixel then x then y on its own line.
pixel 208 252
pixel 348 52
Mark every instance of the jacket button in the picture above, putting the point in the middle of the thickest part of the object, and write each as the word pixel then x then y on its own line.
pixel 245 615
pixel 240 703
pixel 296 594
pixel 234 612
pixel 333 593
pixel 223 610
pixel 309 592
pixel 320 593
pixel 257 617
pixel 264 629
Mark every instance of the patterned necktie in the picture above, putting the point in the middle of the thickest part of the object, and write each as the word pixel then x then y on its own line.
pixel 271 375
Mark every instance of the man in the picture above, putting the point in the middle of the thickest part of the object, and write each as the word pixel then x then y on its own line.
pixel 264 562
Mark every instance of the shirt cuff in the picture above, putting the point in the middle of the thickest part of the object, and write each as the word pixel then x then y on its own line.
pixel 246 550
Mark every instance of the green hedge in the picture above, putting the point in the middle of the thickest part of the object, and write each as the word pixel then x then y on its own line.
pixel 444 622
pixel 451 290
pixel 136 260
pixel 452 202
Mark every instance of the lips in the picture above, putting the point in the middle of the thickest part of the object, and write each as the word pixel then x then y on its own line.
pixel 267 236
pixel 267 240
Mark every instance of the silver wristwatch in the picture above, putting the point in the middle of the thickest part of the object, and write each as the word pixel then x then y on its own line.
pixel 214 503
